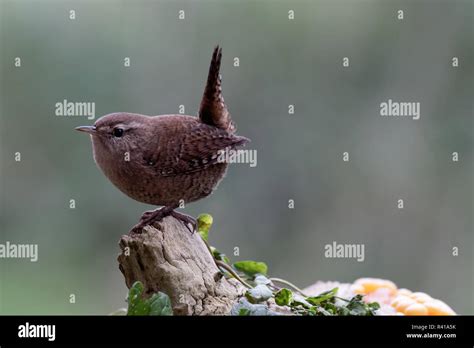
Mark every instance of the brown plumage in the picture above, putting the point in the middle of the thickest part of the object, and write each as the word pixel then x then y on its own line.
pixel 167 159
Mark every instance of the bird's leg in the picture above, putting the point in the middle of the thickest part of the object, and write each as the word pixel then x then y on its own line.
pixel 152 216
pixel 186 219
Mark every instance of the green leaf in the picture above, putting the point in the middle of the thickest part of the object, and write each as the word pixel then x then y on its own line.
pixel 284 297
pixel 258 294
pixel 158 304
pixel 357 306
pixel 204 223
pixel 219 256
pixel 374 306
pixel 251 268
pixel 324 296
pixel 244 311
pixel 136 305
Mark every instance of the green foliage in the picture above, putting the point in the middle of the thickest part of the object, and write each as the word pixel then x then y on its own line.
pixel 284 297
pixel 358 307
pixel 324 296
pixel 262 289
pixel 251 268
pixel 244 312
pixel 219 256
pixel 158 304
pixel 328 304
pixel 204 223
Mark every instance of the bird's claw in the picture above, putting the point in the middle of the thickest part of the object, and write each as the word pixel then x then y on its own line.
pixel 151 216
pixel 137 229
pixel 189 221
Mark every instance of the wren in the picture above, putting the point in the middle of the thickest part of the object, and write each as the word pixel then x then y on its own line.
pixel 167 160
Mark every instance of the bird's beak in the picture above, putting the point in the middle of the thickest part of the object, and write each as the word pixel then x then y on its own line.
pixel 87 129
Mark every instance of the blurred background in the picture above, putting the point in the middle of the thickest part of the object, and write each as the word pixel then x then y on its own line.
pixel 282 62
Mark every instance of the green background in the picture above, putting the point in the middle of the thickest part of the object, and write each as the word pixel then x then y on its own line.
pixel 282 62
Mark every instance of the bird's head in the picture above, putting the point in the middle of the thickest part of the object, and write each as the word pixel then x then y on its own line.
pixel 117 133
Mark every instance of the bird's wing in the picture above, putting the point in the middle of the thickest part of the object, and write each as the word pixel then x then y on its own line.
pixel 213 110
pixel 194 150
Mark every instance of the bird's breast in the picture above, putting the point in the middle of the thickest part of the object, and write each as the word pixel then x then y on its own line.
pixel 147 183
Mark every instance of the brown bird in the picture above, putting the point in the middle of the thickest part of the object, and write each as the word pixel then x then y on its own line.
pixel 167 160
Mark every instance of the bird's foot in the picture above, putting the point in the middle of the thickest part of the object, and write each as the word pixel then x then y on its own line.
pixel 189 221
pixel 149 217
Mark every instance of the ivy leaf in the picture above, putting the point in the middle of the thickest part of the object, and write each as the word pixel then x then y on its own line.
pixel 136 305
pixel 284 297
pixel 324 296
pixel 373 306
pixel 204 223
pixel 258 294
pixel 251 268
pixel 357 306
pixel 158 304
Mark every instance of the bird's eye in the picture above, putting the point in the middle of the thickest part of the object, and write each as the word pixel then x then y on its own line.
pixel 117 132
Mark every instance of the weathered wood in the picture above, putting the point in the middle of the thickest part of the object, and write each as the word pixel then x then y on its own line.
pixel 167 257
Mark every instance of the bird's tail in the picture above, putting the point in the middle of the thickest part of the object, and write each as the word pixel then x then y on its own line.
pixel 213 110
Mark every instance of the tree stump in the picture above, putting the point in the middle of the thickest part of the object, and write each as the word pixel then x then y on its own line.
pixel 166 257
